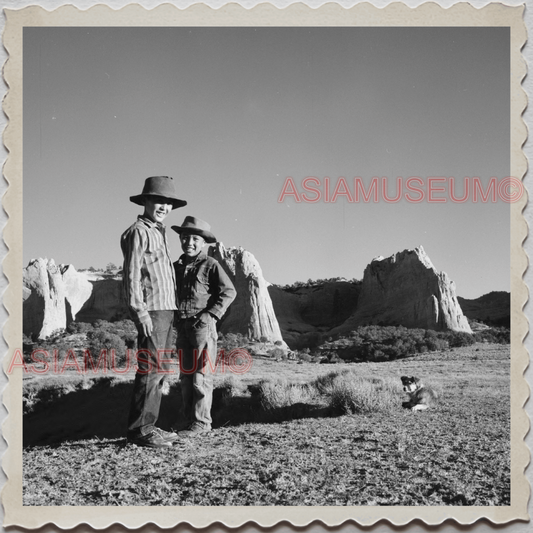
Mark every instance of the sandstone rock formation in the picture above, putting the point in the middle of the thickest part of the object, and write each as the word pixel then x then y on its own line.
pixel 52 296
pixel 55 296
pixel 251 313
pixel 406 289
pixel 77 289
pixel 43 297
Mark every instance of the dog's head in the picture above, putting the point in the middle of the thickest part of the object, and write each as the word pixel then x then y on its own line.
pixel 410 384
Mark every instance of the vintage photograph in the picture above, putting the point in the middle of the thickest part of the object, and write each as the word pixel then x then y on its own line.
pixel 266 266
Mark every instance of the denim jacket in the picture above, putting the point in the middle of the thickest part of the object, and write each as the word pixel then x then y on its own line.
pixel 202 285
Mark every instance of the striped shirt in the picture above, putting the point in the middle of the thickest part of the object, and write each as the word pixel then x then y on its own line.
pixel 148 277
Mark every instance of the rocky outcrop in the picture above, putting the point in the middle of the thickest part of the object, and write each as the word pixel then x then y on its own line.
pixel 406 289
pixel 55 296
pixel 251 313
pixel 52 295
pixel 77 291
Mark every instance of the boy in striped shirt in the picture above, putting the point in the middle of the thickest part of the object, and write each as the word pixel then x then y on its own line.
pixel 150 291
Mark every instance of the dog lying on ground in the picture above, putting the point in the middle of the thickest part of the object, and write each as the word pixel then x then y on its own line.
pixel 420 397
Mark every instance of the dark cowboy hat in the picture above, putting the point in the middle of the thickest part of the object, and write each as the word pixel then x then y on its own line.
pixel 159 186
pixel 196 227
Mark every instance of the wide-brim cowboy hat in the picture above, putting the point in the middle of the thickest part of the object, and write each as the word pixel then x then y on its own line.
pixel 162 186
pixel 196 226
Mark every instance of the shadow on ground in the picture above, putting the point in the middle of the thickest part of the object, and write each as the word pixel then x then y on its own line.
pixel 102 412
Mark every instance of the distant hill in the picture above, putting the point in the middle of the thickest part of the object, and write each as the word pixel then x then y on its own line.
pixel 493 309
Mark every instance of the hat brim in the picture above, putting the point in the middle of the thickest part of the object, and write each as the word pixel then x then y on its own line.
pixel 139 200
pixel 207 235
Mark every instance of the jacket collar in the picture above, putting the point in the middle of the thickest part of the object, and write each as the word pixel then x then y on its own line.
pixel 200 257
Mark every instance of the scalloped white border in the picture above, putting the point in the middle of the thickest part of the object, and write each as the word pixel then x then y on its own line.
pixel 263 14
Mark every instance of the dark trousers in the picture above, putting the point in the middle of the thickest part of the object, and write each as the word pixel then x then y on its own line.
pixel 146 398
pixel 196 343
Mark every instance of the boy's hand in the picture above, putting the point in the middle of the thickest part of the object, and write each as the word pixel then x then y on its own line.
pixel 146 326
pixel 202 317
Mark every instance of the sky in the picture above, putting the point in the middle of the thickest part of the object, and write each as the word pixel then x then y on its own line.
pixel 231 113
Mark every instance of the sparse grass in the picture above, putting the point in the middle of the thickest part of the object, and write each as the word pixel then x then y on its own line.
pixel 456 454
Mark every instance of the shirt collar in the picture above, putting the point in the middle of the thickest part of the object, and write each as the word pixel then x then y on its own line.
pixel 202 255
pixel 151 223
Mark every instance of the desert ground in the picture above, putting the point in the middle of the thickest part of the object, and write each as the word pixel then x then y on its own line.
pixel 284 434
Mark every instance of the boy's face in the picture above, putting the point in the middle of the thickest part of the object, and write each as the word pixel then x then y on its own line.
pixel 157 208
pixel 191 244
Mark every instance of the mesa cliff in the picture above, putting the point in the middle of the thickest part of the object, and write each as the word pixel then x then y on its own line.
pixel 306 312
pixel 403 289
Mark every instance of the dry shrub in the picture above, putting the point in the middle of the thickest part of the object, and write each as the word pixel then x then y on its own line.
pixel 344 391
pixel 352 394
pixel 277 353
pixel 229 388
pixel 281 393
pixel 305 357
pixel 325 384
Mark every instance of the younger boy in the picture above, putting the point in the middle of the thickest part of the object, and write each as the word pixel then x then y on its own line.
pixel 204 293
